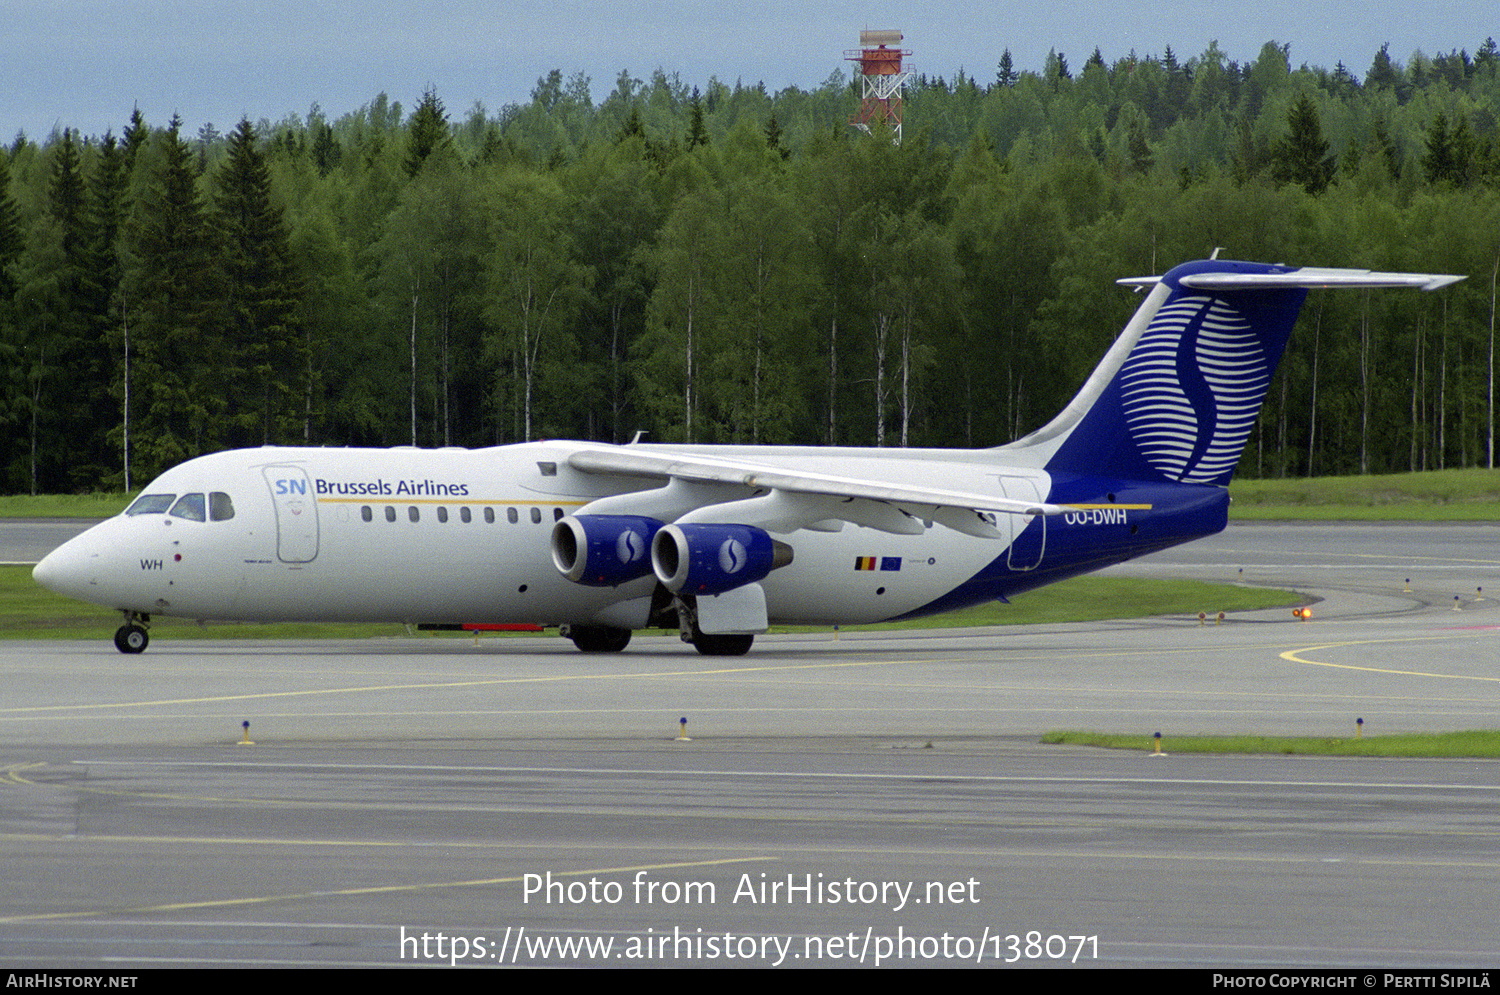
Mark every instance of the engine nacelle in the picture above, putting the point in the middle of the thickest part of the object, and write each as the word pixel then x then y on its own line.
pixel 603 550
pixel 711 559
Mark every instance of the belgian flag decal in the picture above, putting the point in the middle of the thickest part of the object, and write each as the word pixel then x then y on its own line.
pixel 877 563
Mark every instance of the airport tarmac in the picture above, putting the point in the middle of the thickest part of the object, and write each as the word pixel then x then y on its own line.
pixel 872 798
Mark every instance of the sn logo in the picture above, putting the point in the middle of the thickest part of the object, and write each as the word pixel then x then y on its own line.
pixel 732 556
pixel 629 546
pixel 291 487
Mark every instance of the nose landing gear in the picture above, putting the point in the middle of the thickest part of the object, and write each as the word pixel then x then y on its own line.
pixel 132 637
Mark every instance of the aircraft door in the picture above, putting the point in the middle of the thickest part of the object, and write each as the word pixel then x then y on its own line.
pixel 296 513
pixel 1029 533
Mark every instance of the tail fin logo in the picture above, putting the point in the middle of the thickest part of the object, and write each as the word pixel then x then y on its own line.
pixel 1192 388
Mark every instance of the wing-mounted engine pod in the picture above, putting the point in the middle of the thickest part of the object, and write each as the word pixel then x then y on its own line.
pixel 711 559
pixel 603 550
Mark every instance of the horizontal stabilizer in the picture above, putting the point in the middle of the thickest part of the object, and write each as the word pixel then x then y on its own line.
pixel 1306 278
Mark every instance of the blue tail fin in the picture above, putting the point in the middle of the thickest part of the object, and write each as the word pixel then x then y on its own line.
pixel 1182 403
pixel 1176 396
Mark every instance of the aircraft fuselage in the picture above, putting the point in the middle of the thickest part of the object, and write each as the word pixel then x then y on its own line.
pixel 463 536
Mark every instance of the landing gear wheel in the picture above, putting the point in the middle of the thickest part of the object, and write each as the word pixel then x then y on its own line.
pixel 132 638
pixel 731 645
pixel 599 638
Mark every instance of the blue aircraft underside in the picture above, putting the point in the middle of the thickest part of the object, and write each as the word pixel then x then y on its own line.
pixel 1111 529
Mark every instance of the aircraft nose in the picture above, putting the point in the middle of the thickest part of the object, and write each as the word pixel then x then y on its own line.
pixel 45 572
pixel 66 570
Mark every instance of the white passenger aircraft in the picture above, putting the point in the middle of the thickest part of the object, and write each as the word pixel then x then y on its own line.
pixel 720 541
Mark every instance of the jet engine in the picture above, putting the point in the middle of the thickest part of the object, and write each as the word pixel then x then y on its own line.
pixel 603 550
pixel 711 559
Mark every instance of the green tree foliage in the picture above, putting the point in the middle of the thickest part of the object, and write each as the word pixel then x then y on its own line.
pixel 1005 72
pixel 536 286
pixel 1385 74
pixel 1302 155
pixel 428 132
pixel 260 300
pixel 1451 153
pixel 683 316
pixel 179 377
pixel 12 388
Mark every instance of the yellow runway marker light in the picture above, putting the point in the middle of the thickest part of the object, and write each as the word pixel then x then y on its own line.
pixel 245 739
pixel 682 736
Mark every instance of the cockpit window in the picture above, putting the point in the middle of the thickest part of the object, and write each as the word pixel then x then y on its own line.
pixel 151 504
pixel 191 507
pixel 220 508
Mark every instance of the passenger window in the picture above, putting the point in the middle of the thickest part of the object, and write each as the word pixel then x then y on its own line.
pixel 151 504
pixel 220 508
pixel 511 516
pixel 489 516
pixel 442 513
pixel 390 513
pixel 463 513
pixel 191 507
pixel 557 514
pixel 413 514
pixel 536 516
pixel 367 514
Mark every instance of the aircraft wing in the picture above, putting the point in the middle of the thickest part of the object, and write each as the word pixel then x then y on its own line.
pixel 711 489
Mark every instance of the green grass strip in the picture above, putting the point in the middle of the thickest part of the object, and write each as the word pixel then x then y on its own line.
pixel 63 505
pixel 1098 599
pixel 1470 743
pixel 1434 495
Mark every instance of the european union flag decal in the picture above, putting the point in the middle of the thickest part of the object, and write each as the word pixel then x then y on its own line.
pixel 877 563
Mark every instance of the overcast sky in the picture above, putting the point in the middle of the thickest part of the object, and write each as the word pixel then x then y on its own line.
pixel 86 63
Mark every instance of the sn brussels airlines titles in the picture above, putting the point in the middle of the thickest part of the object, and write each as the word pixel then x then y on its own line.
pixel 377 488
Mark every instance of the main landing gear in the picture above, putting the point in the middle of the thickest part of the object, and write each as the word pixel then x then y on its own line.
pixel 668 610
pixel 736 644
pixel 608 639
pixel 727 644
pixel 132 637
pixel 598 638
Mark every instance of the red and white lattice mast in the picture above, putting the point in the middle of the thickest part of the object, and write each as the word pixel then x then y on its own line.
pixel 880 68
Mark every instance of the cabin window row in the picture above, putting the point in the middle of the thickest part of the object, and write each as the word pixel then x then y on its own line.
pixel 414 514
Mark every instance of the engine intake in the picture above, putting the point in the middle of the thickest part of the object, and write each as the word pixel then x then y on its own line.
pixel 711 559
pixel 603 550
